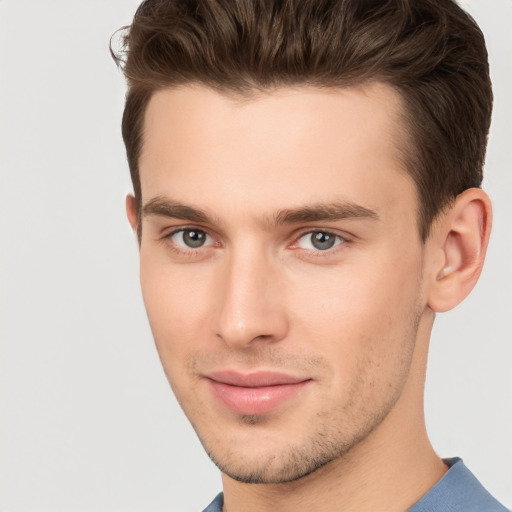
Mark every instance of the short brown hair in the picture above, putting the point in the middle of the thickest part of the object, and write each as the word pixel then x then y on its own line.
pixel 430 51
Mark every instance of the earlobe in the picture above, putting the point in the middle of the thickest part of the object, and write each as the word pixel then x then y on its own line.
pixel 461 236
pixel 131 211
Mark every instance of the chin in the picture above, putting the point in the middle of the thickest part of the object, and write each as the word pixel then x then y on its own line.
pixel 275 469
pixel 276 463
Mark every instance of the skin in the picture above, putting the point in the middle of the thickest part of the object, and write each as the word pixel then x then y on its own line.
pixel 353 319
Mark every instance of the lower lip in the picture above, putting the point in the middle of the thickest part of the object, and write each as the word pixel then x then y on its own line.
pixel 255 400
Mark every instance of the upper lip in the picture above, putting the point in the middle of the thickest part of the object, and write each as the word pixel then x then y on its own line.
pixel 254 379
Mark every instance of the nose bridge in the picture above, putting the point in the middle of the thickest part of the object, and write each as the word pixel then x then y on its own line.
pixel 249 305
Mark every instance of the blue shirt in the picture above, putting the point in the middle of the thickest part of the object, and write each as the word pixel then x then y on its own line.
pixel 457 491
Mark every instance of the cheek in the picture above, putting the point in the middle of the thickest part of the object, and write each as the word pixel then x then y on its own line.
pixel 362 311
pixel 362 297
pixel 175 302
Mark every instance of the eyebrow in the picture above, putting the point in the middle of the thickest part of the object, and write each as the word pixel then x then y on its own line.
pixel 325 212
pixel 164 207
pixel 318 212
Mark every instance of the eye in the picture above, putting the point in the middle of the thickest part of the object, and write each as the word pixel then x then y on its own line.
pixel 190 238
pixel 319 241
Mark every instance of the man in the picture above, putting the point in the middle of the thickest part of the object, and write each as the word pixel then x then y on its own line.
pixel 306 197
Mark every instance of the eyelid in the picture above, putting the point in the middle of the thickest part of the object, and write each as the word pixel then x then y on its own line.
pixel 341 236
pixel 183 231
pixel 168 234
pixel 168 231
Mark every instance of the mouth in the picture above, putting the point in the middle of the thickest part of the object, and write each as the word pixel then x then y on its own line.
pixel 254 393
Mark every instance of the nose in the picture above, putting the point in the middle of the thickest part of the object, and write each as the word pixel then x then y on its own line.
pixel 250 306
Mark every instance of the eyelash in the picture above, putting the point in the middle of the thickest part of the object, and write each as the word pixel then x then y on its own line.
pixel 191 252
pixel 339 243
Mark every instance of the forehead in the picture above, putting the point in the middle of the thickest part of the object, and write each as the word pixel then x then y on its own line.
pixel 274 150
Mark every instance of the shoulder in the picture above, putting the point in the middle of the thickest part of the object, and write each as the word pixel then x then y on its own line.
pixel 458 491
pixel 216 504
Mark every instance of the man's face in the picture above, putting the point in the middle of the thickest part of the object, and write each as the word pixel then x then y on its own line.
pixel 281 269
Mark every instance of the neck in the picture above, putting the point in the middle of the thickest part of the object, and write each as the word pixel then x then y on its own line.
pixel 389 470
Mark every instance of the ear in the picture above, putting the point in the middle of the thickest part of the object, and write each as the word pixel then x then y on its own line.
pixel 131 211
pixel 460 239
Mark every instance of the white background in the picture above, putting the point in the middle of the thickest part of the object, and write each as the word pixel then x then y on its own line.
pixel 88 422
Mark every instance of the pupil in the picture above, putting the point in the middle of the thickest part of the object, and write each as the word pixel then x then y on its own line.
pixel 194 238
pixel 322 241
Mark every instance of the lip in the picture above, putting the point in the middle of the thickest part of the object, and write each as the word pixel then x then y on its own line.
pixel 254 393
